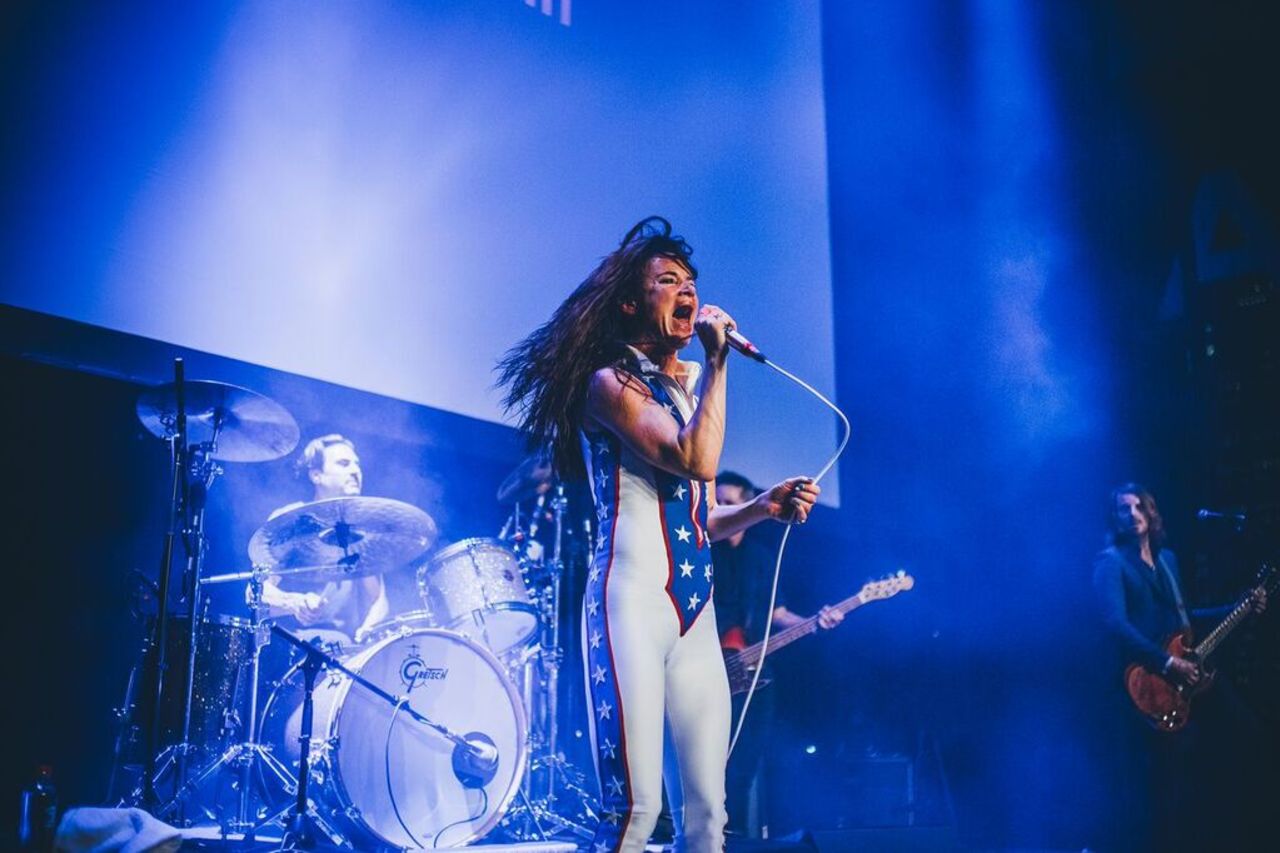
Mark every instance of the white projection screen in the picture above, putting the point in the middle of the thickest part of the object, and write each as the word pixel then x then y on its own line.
pixel 388 195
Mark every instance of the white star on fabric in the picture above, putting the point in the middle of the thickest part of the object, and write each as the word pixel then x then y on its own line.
pixel 686 569
pixel 611 817
pixel 604 710
pixel 602 480
pixel 693 601
pixel 615 785
pixel 595 574
pixel 671 410
pixel 706 571
pixel 595 639
pixel 683 533
pixel 609 748
pixel 680 492
pixel 602 511
pixel 601 847
pixel 598 675
pixel 592 606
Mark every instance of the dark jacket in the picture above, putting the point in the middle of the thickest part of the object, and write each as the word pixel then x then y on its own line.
pixel 1137 603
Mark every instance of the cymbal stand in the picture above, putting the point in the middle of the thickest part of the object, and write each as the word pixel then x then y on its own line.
pixel 155 681
pixel 201 473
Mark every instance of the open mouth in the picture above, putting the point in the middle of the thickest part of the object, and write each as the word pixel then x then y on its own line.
pixel 683 312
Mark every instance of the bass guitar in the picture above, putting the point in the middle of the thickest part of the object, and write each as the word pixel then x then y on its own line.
pixel 1166 704
pixel 742 664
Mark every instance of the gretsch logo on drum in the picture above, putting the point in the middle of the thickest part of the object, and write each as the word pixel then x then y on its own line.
pixel 414 670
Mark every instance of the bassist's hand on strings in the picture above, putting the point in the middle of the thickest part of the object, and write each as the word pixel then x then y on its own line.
pixel 829 617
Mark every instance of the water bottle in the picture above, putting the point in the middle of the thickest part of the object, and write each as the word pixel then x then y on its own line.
pixel 38 819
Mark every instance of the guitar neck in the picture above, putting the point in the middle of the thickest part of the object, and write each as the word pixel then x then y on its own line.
pixel 751 655
pixel 1224 628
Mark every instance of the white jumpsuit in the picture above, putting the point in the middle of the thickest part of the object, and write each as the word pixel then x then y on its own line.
pixel 650 644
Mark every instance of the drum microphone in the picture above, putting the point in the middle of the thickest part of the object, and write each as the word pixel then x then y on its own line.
pixel 475 760
pixel 742 345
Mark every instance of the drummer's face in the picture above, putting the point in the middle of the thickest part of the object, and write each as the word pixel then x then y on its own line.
pixel 340 475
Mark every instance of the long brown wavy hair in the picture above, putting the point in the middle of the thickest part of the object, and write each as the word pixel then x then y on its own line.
pixel 547 373
pixel 1120 535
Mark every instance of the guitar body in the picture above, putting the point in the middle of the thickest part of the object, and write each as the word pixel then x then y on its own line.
pixel 1165 704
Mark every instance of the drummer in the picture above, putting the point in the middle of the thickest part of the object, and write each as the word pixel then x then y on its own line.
pixel 342 610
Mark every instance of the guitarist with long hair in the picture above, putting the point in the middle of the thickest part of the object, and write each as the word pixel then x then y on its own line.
pixel 1143 607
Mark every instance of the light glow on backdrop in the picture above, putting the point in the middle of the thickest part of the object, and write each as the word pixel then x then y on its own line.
pixel 388 195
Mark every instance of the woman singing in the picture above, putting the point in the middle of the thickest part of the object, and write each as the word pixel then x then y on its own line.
pixel 601 384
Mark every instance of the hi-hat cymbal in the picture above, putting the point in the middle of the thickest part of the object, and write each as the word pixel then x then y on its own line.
pixel 242 425
pixel 531 478
pixel 343 537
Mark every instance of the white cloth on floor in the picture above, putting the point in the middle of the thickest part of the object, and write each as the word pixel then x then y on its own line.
pixel 89 830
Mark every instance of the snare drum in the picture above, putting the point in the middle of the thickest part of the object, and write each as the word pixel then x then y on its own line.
pixel 383 779
pixel 476 587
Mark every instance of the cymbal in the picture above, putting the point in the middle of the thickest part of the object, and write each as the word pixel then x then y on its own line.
pixel 242 425
pixel 343 537
pixel 531 478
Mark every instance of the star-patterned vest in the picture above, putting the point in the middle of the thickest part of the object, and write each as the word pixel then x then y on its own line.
pixel 681 506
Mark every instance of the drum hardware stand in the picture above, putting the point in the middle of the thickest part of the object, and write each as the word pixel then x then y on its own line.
pixel 543 707
pixel 555 657
pixel 243 757
pixel 199 472
pixel 155 682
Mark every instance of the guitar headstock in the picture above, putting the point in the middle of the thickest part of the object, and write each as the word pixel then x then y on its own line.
pixel 886 587
pixel 1268 578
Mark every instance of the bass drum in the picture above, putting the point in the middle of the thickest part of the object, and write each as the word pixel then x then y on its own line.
pixel 383 779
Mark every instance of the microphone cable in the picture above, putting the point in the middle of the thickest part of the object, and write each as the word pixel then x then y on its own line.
pixel 782 546
pixel 386 764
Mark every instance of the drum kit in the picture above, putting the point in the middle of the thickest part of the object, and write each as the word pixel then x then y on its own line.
pixel 436 728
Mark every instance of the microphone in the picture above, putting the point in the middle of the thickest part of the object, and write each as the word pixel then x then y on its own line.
pixel 475 760
pixel 742 345
pixel 1214 515
pixel 1206 514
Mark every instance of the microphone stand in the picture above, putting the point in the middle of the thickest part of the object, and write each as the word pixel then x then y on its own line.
pixel 301 830
pixel 475 756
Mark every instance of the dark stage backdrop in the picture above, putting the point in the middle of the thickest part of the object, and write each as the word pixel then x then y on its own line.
pixel 1055 254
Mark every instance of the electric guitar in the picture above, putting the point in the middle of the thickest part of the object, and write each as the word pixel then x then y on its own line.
pixel 1166 704
pixel 742 664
